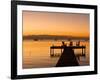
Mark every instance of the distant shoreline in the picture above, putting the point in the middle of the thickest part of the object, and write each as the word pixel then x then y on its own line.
pixel 53 37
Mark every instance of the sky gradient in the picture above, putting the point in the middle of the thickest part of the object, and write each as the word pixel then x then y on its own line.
pixel 52 23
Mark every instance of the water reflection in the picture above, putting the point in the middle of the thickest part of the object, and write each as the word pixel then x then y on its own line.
pixel 36 54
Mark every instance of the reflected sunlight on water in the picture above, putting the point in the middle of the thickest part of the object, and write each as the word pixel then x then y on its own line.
pixel 36 54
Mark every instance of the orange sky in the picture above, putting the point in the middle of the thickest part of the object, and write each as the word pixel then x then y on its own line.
pixel 50 23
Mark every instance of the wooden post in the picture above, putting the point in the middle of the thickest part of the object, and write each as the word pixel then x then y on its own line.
pixel 84 51
pixel 53 51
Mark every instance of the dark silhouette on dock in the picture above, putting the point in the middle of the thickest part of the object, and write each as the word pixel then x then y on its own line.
pixel 67 58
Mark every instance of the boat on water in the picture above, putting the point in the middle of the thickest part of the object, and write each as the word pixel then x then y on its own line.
pixel 35 39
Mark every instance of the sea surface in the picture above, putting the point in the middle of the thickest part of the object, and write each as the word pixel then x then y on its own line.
pixel 36 54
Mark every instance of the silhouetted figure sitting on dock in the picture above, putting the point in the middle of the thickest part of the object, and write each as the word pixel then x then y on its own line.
pixel 67 58
pixel 71 43
pixel 63 44
pixel 78 43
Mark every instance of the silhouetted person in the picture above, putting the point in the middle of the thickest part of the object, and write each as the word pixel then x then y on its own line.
pixel 63 44
pixel 67 58
pixel 71 43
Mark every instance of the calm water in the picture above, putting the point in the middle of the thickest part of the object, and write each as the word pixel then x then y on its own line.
pixel 36 54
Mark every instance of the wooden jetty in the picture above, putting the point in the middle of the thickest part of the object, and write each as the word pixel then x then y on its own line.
pixel 52 54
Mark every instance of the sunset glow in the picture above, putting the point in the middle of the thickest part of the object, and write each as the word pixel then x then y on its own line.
pixel 51 23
